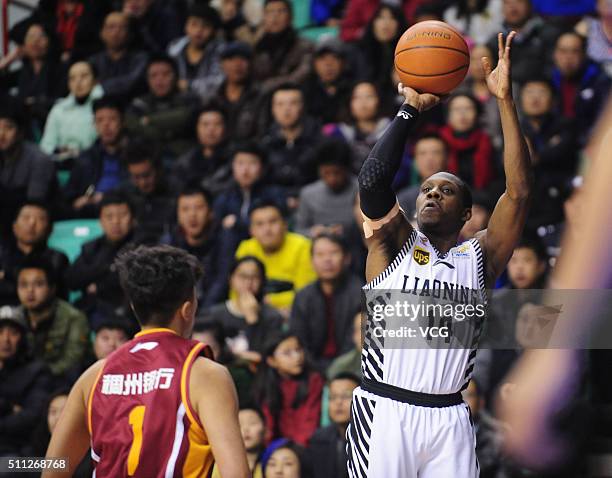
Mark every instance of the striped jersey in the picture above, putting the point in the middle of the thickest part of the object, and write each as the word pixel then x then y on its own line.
pixel 140 419
pixel 417 336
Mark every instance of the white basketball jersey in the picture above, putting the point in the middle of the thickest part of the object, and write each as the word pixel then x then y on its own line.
pixel 418 274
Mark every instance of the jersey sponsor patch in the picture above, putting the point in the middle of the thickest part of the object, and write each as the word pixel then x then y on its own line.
pixel 462 251
pixel 137 383
pixel 421 256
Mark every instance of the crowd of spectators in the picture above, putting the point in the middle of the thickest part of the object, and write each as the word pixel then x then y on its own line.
pixel 221 128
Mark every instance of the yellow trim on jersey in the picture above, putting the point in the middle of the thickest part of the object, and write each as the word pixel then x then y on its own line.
pixel 153 331
pixel 90 399
pixel 199 460
pixel 184 392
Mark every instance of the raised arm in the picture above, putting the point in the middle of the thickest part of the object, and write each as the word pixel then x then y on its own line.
pixel 508 218
pixel 385 229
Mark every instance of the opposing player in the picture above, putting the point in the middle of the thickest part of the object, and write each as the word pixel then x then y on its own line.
pixel 408 418
pixel 158 406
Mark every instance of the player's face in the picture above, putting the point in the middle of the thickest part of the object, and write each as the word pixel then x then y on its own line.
pixel 55 410
pixel 33 289
pixel 340 394
pixel 283 463
pixel 429 157
pixel 210 128
pixel 252 429
pixel 569 54
pixel 143 176
pixel 10 336
pixel 287 106
pixel 246 168
pixel 288 358
pixel 525 268
pixel 478 222
pixel 462 114
pixel 107 341
pixel 8 134
pixel 161 79
pixel 193 214
pixel 116 221
pixel 108 125
pixel 198 31
pixel 439 205
pixel 31 226
pixel 328 259
pixel 246 278
pixel 268 227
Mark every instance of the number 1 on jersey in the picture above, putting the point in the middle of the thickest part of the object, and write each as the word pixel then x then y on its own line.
pixel 136 419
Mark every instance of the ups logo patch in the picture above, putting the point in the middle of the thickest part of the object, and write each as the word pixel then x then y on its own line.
pixel 421 256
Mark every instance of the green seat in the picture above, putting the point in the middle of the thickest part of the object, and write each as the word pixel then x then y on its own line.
pixel 301 13
pixel 69 236
pixel 314 33
pixel 63 177
pixel 325 420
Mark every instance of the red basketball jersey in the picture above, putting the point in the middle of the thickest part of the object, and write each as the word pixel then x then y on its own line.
pixel 140 419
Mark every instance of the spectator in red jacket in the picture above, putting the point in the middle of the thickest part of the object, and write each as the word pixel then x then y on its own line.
pixel 470 149
pixel 359 12
pixel 288 390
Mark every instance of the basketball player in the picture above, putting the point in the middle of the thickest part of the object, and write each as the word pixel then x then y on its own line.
pixel 408 418
pixel 158 406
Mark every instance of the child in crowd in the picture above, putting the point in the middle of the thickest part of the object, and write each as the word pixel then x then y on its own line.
pixel 288 390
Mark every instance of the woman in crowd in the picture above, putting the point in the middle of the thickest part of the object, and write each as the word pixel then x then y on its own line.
pixel 365 122
pixel 70 125
pixel 378 43
pixel 470 149
pixel 288 390
pixel 246 319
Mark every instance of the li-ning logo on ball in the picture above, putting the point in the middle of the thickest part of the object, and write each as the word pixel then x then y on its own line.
pixel 420 256
pixel 404 114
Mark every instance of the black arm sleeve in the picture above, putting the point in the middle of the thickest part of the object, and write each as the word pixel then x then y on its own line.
pixel 378 170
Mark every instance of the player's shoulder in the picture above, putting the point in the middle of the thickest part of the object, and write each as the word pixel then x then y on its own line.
pixel 88 378
pixel 208 377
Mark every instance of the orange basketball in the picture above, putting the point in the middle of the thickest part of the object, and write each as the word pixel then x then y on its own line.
pixel 432 57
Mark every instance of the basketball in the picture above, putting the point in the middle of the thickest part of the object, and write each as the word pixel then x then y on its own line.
pixel 432 57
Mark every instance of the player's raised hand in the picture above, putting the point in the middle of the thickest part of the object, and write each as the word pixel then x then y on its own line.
pixel 499 80
pixel 420 101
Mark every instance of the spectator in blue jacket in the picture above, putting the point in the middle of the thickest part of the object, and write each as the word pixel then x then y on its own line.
pixel 232 206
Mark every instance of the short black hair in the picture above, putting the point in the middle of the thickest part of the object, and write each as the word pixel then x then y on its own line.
pixel 40 263
pixel 287 86
pixel 92 67
pixel 36 203
pixel 538 79
pixel 139 150
pixel 287 3
pixel 114 323
pixel 114 197
pixel 193 189
pixel 335 238
pixel 346 376
pixel 206 13
pixel 250 147
pixel 108 102
pixel 582 38
pixel 261 268
pixel 533 242
pixel 434 136
pixel 256 409
pixel 334 151
pixel 162 58
pixel 263 203
pixel 472 98
pixel 157 281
